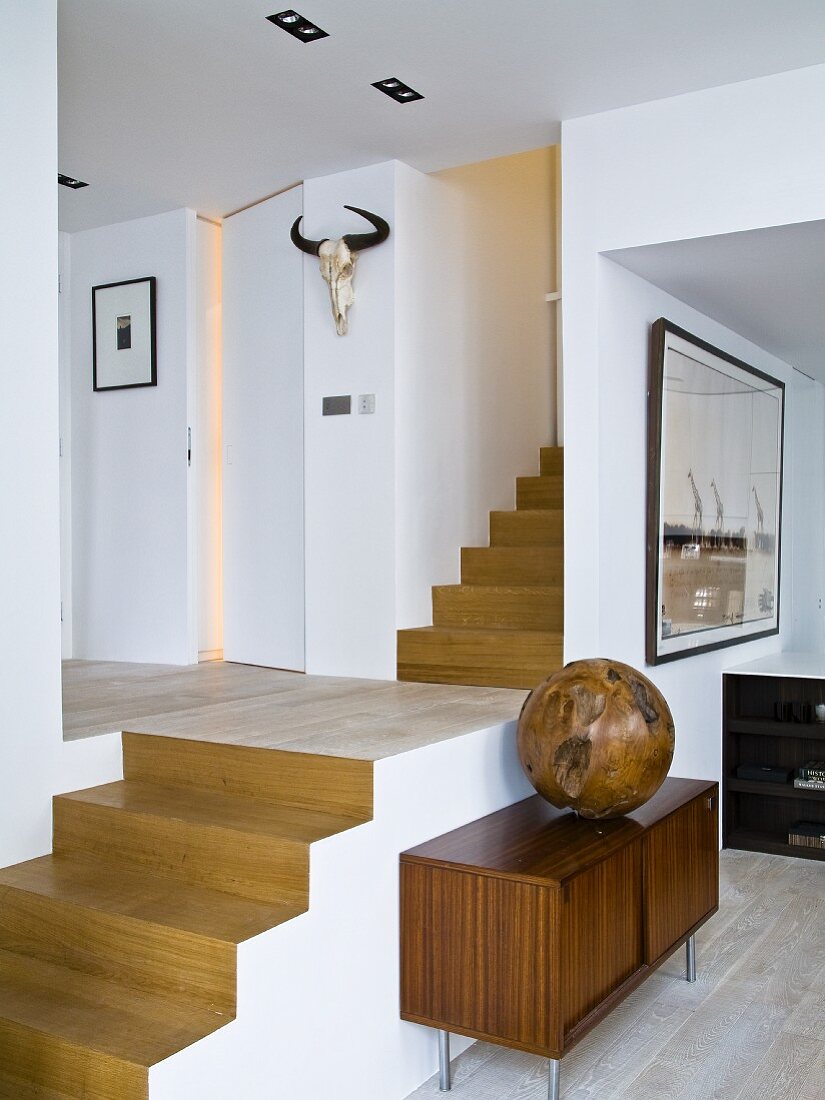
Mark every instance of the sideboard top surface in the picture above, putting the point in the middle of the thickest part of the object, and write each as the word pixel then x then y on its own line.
pixel 800 666
pixel 532 840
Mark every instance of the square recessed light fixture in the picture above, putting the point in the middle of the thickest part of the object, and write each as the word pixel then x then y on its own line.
pixel 69 181
pixel 396 89
pixel 295 24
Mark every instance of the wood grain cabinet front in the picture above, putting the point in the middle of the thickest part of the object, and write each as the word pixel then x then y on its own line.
pixel 525 928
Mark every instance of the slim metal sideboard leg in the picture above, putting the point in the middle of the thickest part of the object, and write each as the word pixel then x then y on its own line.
pixel 444 1079
pixel 690 959
pixel 553 1079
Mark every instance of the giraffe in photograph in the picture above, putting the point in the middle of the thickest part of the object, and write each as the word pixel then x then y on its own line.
pixel 697 504
pixel 720 508
pixel 760 515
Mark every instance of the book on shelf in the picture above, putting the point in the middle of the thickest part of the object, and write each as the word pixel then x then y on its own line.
pixel 809 784
pixel 813 769
pixel 807 834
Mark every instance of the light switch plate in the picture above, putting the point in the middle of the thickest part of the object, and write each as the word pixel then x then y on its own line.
pixel 337 406
pixel 366 403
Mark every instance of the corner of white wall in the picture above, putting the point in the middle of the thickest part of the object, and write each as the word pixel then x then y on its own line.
pixel 350 460
pixel 30 720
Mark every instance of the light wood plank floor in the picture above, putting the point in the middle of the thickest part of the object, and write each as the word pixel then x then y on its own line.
pixel 269 708
pixel 751 1027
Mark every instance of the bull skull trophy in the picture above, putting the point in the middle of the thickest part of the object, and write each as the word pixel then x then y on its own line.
pixel 338 261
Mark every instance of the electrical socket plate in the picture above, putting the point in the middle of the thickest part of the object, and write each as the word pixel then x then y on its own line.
pixel 366 403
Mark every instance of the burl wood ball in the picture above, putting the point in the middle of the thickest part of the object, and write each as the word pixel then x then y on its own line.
pixel 597 737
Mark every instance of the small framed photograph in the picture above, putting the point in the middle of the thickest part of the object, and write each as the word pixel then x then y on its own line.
pixel 714 498
pixel 124 340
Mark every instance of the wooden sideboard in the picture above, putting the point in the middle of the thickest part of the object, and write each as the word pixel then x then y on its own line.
pixel 527 927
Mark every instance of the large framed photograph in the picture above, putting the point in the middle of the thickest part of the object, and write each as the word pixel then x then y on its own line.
pixel 124 340
pixel 715 435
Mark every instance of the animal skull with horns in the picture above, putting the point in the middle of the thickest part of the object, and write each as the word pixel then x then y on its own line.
pixel 337 259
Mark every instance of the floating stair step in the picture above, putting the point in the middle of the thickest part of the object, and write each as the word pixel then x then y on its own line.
pixel 552 460
pixel 328 783
pixel 537 527
pixel 511 607
pixel 224 842
pixel 152 932
pixel 540 492
pixel 487 658
pixel 512 565
pixel 81 1035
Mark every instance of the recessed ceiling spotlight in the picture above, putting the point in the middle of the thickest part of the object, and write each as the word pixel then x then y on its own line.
pixel 69 181
pixel 295 24
pixel 396 89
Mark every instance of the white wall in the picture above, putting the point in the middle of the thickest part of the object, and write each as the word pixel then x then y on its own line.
pixel 207 441
pixel 349 460
pixel 263 536
pixel 132 513
pixel 29 550
pixel 732 158
pixel 65 405
pixel 806 500
pixel 451 332
pixel 627 307
pixel 475 379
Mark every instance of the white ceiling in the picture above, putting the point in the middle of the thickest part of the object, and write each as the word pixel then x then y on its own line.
pixel 766 284
pixel 202 103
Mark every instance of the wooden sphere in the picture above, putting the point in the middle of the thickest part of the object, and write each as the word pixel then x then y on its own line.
pixel 597 737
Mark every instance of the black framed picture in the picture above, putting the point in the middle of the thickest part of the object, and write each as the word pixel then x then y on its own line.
pixel 124 337
pixel 714 506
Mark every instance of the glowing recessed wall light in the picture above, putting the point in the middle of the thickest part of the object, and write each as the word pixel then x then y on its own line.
pixel 396 89
pixel 296 25
pixel 70 181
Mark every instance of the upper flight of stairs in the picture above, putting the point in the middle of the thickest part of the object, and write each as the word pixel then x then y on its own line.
pixel 502 625
pixel 119 949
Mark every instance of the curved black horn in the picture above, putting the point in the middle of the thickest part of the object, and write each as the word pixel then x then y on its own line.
pixel 357 242
pixel 304 243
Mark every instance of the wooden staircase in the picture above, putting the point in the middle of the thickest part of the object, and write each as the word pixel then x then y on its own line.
pixel 119 949
pixel 502 626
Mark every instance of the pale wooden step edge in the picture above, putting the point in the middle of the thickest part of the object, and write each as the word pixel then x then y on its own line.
pixel 539 492
pixel 136 953
pixel 520 607
pixel 100 1018
pixel 487 658
pixel 551 460
pixel 527 527
pixel 512 565
pixel 87 882
pixel 264 868
pixel 332 784
pixel 50 1065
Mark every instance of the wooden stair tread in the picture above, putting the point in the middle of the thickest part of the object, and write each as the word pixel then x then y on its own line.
pixel 544 491
pixel 214 810
pixel 497 657
pixel 500 606
pixel 120 890
pixel 493 565
pixel 551 460
pixel 96 1015
pixel 527 527
pixel 536 591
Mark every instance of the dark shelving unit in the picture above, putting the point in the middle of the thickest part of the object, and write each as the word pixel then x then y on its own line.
pixel 756 816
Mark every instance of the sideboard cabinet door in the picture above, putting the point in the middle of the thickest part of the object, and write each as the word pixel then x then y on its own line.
pixel 601 933
pixel 681 873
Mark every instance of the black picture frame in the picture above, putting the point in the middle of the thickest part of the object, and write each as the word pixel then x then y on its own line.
pixel 124 334
pixel 703 579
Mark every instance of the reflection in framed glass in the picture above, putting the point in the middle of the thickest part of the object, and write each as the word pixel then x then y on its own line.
pixel 715 436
